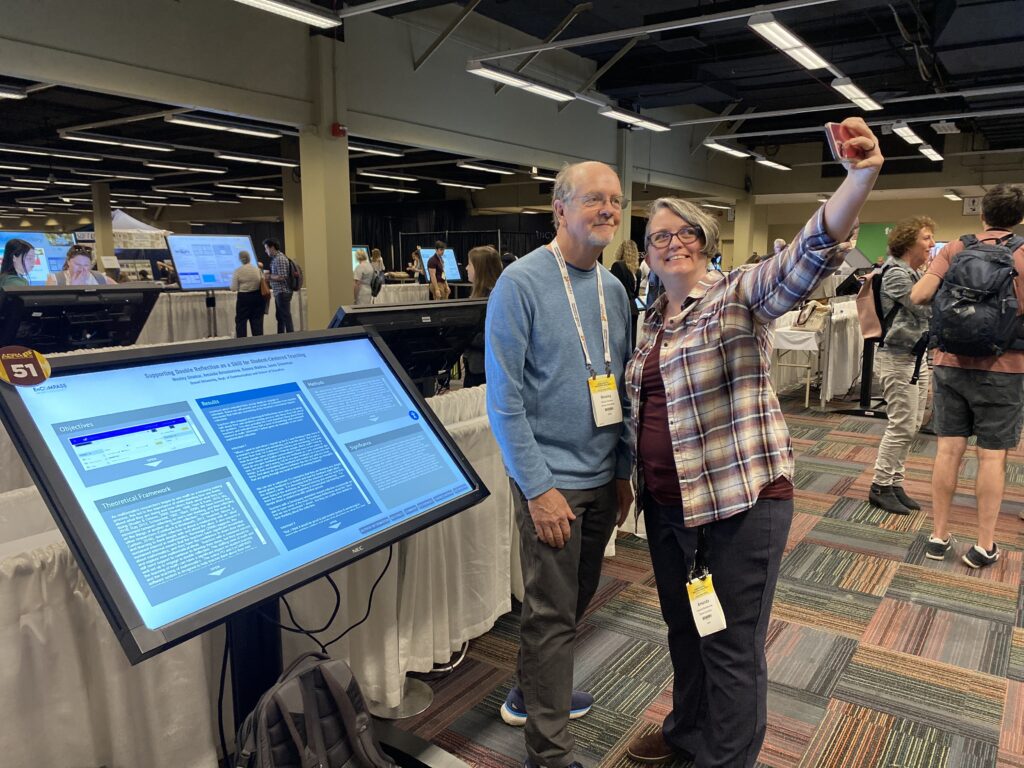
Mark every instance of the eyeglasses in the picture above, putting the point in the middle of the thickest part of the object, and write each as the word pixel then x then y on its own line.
pixel 593 201
pixel 686 236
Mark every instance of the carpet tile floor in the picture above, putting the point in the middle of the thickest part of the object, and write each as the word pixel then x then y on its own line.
pixel 877 656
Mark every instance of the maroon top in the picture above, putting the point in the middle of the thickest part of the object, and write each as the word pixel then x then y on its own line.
pixel 654 443
pixel 436 265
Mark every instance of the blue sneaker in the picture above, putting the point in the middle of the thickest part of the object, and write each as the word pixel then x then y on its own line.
pixel 513 711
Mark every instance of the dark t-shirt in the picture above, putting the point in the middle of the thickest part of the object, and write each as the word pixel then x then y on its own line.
pixel 436 265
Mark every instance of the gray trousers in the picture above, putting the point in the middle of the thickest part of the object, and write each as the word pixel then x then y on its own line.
pixel 720 684
pixel 905 405
pixel 559 584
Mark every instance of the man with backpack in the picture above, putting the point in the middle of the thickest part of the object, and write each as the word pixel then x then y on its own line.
pixel 281 284
pixel 977 283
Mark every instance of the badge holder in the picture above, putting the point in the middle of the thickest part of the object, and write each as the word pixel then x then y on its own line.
pixel 704 603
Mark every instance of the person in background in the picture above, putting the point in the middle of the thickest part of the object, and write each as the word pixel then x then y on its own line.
pixel 143 275
pixel 415 268
pixel 280 285
pixel 560 418
pixel 435 269
pixel 19 258
pixel 376 261
pixel 507 258
pixel 910 242
pixel 778 246
pixel 482 270
pixel 715 460
pixel 246 281
pixel 78 269
pixel 626 269
pixel 362 275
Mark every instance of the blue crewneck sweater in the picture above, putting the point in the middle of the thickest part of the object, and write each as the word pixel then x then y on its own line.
pixel 538 401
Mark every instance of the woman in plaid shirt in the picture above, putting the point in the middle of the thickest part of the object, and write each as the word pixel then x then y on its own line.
pixel 715 464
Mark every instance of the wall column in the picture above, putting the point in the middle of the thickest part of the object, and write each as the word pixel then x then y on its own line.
pixel 743 235
pixel 102 222
pixel 294 242
pixel 624 167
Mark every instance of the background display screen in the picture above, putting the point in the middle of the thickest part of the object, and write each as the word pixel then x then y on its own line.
pixel 51 248
pixel 211 476
pixel 356 250
pixel 205 262
pixel 451 266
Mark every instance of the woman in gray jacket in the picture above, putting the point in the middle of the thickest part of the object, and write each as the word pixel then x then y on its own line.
pixel 910 242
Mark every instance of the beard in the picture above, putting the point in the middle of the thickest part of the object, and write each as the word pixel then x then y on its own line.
pixel 601 239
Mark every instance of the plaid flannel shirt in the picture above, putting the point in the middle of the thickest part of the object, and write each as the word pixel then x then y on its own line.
pixel 729 437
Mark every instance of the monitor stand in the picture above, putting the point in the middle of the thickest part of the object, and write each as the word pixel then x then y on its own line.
pixel 866 374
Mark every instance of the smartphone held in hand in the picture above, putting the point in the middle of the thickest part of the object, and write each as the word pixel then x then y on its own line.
pixel 834 136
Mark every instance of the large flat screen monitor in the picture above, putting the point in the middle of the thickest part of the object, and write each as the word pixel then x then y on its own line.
pixel 205 262
pixel 67 318
pixel 451 265
pixel 51 248
pixel 194 482
pixel 427 339
pixel 356 250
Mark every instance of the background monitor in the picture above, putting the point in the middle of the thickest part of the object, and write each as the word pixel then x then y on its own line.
pixel 427 339
pixel 64 319
pixel 205 262
pixel 197 482
pixel 357 249
pixel 451 265
pixel 51 249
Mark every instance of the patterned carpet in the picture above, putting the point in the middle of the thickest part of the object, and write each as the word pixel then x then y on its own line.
pixel 877 656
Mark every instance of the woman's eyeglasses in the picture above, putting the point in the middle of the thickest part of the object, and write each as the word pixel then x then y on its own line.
pixel 686 235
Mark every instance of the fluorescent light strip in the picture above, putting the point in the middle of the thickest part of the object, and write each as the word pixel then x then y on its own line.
pixel 182 167
pixel 260 197
pixel 296 11
pixel 177 205
pixel 374 150
pixel 727 150
pixel 481 69
pixel 951 195
pixel 243 186
pixel 11 92
pixel 716 205
pixel 126 176
pixel 395 189
pixel 215 125
pixel 846 87
pixel 931 154
pixel 906 133
pixel 458 184
pixel 550 92
pixel 72 183
pixel 633 118
pixel 772 164
pixel 189 192
pixel 255 159
pixel 26 180
pixel 392 177
pixel 116 142
pixel 778 35
pixel 475 166
pixel 14 168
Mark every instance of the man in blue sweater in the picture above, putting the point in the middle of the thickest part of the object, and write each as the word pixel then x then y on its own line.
pixel 558 339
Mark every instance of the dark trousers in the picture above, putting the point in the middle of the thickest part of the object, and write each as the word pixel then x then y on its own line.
pixel 249 309
pixel 559 586
pixel 283 308
pixel 720 686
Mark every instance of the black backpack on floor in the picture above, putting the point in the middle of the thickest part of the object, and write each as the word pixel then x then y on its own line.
pixel 976 312
pixel 313 717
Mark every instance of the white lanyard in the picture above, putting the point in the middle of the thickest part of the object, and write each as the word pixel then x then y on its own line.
pixel 576 313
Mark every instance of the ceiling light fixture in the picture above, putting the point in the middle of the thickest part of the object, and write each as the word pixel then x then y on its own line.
pixel 114 141
pixel 474 165
pixel 712 144
pixel 716 206
pixel 295 10
pixel 60 183
pixel 40 152
pixel 212 124
pixel 112 175
pixel 822 198
pixel 189 192
pixel 182 167
pixel 260 197
pixel 771 164
pixel 538 175
pixel 905 132
pixel 374 149
pixel 395 189
pixel 945 127
pixel 12 92
pixel 517 80
pixel 846 87
pixel 931 154
pixel 393 177
pixel 952 195
pixel 255 159
pixel 460 184
pixel 14 168
pixel 778 35
pixel 633 118
pixel 243 186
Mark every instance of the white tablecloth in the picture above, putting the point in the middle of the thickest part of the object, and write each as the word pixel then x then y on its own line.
pixel 183 316
pixel 69 697
pixel 402 293
pixel 840 345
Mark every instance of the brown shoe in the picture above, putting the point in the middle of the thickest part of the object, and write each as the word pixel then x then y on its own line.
pixel 651 748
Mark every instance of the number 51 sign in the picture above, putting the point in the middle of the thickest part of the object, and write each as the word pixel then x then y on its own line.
pixel 23 367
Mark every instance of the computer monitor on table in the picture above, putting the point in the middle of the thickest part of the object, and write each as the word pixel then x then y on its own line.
pixel 358 250
pixel 196 481
pixel 68 318
pixel 451 264
pixel 427 339
pixel 51 249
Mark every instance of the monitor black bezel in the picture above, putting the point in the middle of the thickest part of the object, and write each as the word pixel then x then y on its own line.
pixel 137 641
pixel 170 251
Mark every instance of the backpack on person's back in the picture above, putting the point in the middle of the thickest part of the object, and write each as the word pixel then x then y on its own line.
pixel 376 283
pixel 874 323
pixel 314 715
pixel 294 275
pixel 975 311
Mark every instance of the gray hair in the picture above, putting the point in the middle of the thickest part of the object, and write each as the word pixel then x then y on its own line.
pixel 244 256
pixel 779 245
pixel 691 214
pixel 564 188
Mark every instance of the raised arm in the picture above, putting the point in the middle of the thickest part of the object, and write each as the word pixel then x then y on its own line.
pixel 843 208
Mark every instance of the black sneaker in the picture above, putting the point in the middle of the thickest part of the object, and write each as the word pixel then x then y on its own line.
pixel 905 500
pixel 936 548
pixel 884 497
pixel 977 557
